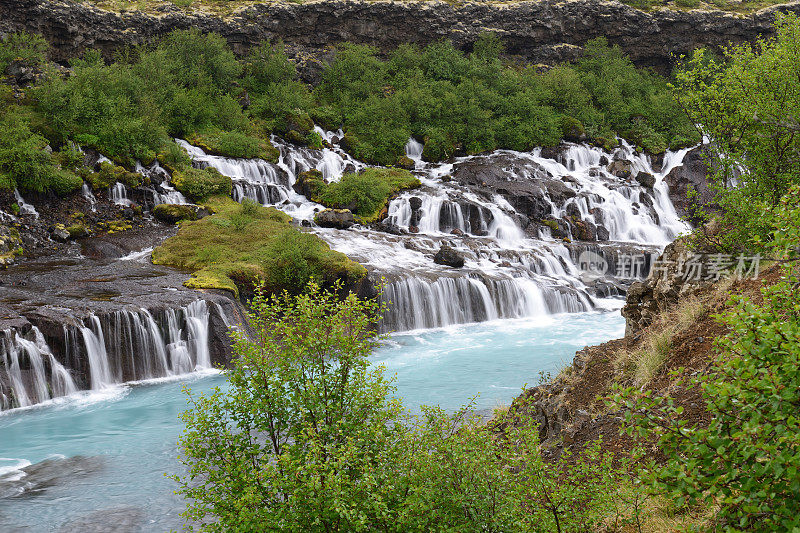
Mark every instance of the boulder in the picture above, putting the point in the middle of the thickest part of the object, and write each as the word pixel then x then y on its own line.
pixel 405 162
pixel 174 213
pixel 335 218
pixel 602 233
pixel 584 230
pixel 449 257
pixel 646 179
pixel 559 229
pixel 620 168
pixel 415 202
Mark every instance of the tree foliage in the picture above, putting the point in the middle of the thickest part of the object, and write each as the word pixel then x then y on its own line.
pixel 745 459
pixel 748 103
pixel 309 437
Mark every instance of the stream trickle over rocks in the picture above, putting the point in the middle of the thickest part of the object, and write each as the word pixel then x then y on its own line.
pixel 494 236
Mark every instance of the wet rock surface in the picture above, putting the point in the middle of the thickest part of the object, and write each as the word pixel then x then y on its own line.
pixel 35 479
pixel 122 519
pixel 449 257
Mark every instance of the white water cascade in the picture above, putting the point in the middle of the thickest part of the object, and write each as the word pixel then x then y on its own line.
pixel 122 346
pixel 24 207
pixel 32 374
pixel 516 265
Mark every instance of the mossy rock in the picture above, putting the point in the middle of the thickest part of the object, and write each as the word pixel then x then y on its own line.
pixel 243 244
pixel 310 184
pixel 199 184
pixel 405 162
pixel 299 121
pixel 76 231
pixel 572 130
pixel 174 213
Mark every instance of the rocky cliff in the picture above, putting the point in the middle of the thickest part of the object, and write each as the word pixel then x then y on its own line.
pixel 539 31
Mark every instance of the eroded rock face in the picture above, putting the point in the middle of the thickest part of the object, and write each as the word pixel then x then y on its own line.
pixel 540 31
pixel 691 176
pixel 675 277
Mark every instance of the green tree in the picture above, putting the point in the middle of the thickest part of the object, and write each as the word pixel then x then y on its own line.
pixel 309 437
pixel 748 103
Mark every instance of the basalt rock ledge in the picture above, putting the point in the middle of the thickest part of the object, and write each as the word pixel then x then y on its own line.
pixel 538 31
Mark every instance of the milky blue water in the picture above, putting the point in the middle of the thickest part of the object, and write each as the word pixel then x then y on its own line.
pixel 111 449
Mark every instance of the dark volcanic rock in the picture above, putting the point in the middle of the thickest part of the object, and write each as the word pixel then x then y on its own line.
pixel 541 32
pixel 692 175
pixel 646 179
pixel 620 168
pixel 449 257
pixel 335 218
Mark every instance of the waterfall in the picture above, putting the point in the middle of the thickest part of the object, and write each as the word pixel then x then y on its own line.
pixel 119 194
pixel 521 259
pixel 30 373
pixel 126 345
pixel 87 193
pixel 24 207
pixel 418 303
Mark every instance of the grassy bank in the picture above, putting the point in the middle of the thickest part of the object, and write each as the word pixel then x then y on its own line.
pixel 243 244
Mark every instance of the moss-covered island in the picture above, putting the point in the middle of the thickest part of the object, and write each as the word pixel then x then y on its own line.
pixel 244 244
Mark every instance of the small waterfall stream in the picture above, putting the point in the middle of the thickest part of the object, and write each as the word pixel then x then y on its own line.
pixel 102 351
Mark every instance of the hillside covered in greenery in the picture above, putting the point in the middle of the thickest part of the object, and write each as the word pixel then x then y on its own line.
pixel 192 86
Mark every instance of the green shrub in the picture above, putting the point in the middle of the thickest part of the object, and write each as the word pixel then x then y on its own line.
pixel 235 144
pixel 25 164
pixel 366 193
pixel 337 451
pixel 28 48
pixel 745 458
pixel 748 103
pixel 199 184
pixel 109 174
pixel 687 3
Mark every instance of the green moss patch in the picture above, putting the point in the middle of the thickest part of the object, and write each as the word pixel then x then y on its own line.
pixel 242 244
pixel 235 144
pixel 199 184
pixel 366 193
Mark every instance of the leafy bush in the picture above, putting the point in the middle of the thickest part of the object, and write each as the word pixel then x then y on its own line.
pixel 468 104
pixel 235 144
pixel 109 174
pixel 199 184
pixel 25 164
pixel 745 458
pixel 747 103
pixel 28 48
pixel 308 437
pixel 366 192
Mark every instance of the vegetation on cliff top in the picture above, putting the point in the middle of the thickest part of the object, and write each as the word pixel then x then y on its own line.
pixel 190 85
pixel 241 245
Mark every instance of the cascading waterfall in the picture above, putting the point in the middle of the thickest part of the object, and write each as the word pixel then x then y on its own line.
pixel 119 194
pixel 32 374
pixel 508 272
pixel 24 207
pixel 126 345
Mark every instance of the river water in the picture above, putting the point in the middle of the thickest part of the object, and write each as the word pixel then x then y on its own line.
pixel 103 455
